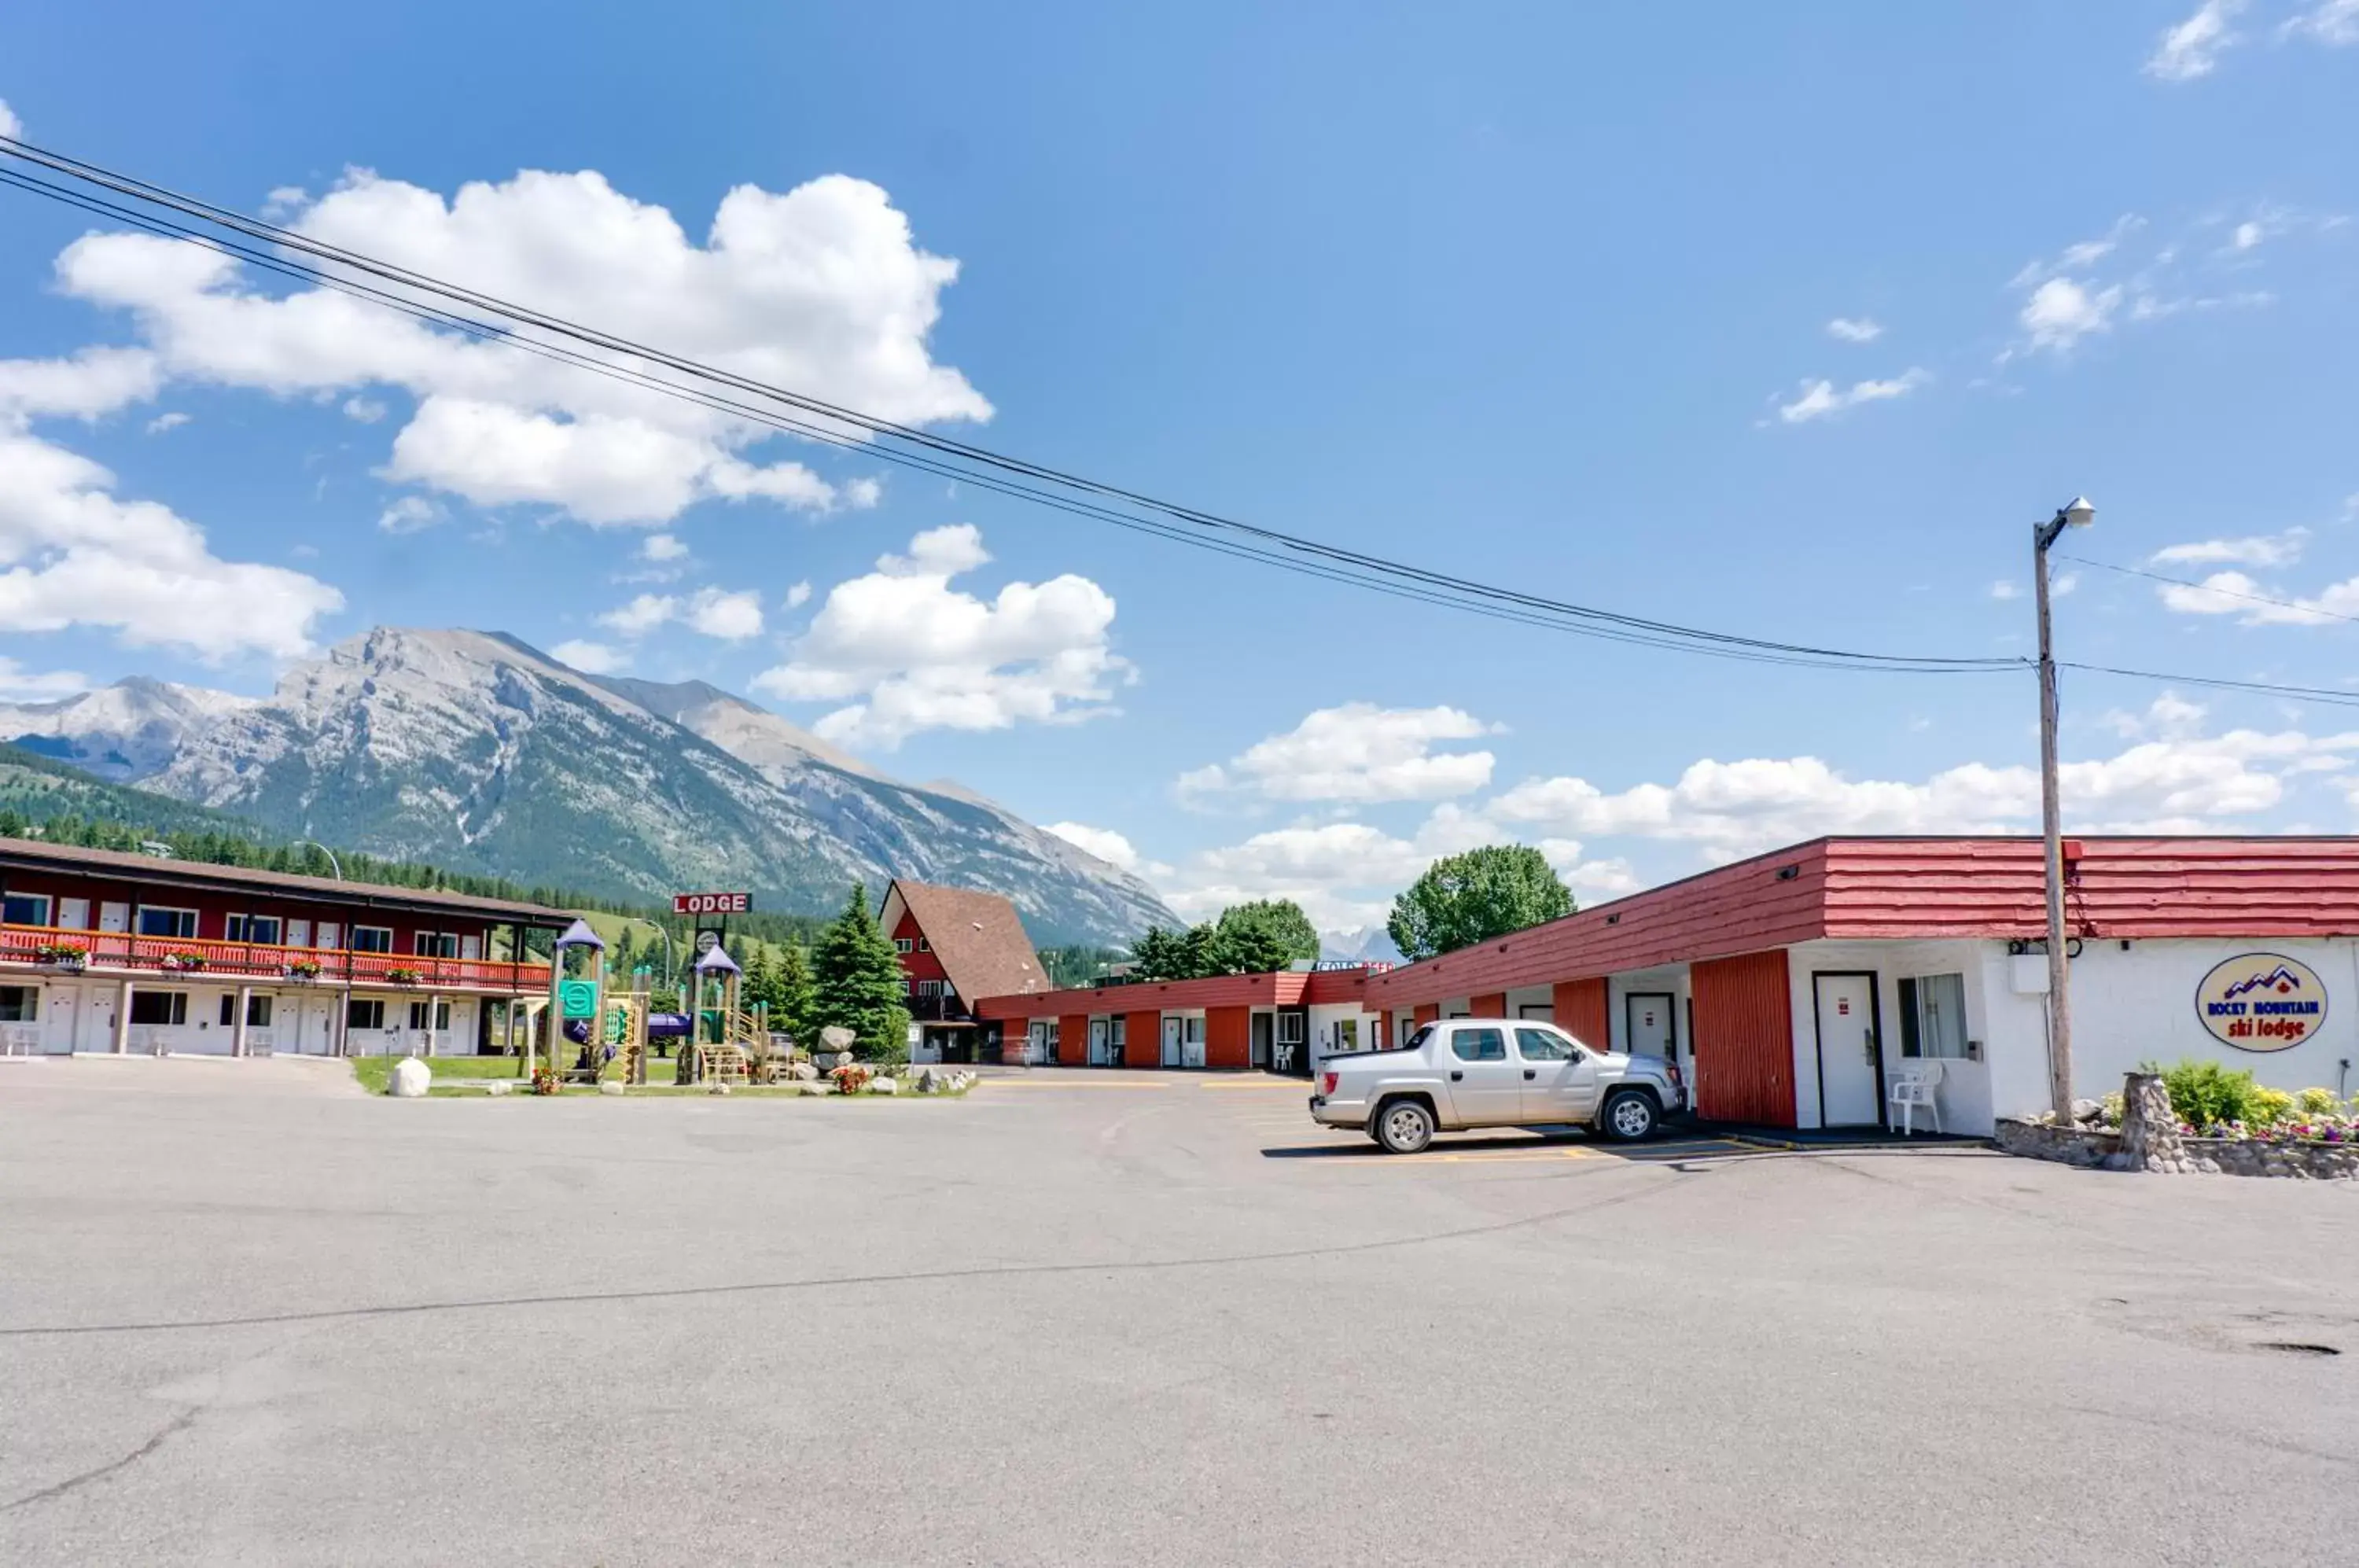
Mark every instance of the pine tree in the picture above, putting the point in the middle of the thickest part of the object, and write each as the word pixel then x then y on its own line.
pixel 792 1002
pixel 857 984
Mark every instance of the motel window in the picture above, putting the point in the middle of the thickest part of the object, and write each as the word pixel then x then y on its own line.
pixel 1933 1015
pixel 902 944
pixel 1118 1031
pixel 20 1004
pixel 1292 1027
pixel 925 946
pixel 1479 1045
pixel 160 1008
pixel 154 921
pixel 442 1015
pixel 257 1011
pixel 372 939
pixel 929 987
pixel 262 929
pixel 25 910
pixel 365 1013
pixel 435 944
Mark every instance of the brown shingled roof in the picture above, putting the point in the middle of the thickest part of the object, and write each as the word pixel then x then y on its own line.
pixel 979 938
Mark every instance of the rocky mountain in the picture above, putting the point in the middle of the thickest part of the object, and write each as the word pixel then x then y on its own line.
pixel 476 752
pixel 1370 944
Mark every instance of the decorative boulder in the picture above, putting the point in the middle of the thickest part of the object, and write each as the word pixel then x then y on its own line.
pixel 930 1082
pixel 883 1086
pixel 411 1078
pixel 804 1072
pixel 2088 1110
pixel 718 1088
pixel 610 1087
pixel 843 1059
pixel 499 1086
pixel 835 1037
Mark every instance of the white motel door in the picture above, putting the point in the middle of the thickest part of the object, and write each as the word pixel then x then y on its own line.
pixel 1851 1080
pixel 63 1005
pixel 1647 1024
pixel 1097 1042
pixel 1170 1040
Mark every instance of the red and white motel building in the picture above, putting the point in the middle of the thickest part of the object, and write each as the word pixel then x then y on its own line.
pixel 108 954
pixel 1794 988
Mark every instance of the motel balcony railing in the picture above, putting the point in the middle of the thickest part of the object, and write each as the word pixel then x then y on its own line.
pixel 937 1010
pixel 55 949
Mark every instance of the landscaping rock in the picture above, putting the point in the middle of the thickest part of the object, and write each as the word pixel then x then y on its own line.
pixel 835 1037
pixel 610 1087
pixel 2086 1111
pixel 884 1086
pixel 804 1072
pixel 411 1078
pixel 499 1086
pixel 930 1082
pixel 718 1089
pixel 843 1057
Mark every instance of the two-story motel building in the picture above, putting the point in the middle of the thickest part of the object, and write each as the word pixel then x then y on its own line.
pixel 102 952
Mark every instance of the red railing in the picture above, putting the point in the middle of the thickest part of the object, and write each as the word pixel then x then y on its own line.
pixel 121 951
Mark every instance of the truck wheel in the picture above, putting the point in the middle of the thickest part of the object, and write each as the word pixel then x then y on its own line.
pixel 1629 1116
pixel 1403 1127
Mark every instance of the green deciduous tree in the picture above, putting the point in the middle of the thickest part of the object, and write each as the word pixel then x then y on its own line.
pixel 856 983
pixel 1465 899
pixel 1266 934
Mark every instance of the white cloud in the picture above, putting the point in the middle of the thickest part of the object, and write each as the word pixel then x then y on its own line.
pixel 1855 329
pixel 2235 593
pixel 2257 549
pixel 2333 23
pixel 661 547
pixel 2192 48
pixel 76 555
pixel 643 615
pixel 1819 399
pixel 409 514
pixel 19 684
pixel 904 652
pixel 862 494
pixel 162 423
pixel 2004 589
pixel 2064 582
pixel 9 125
pixel 822 288
pixel 1732 808
pixel 731 617
pixel 1359 753
pixel 799 596
pixel 282 200
pixel 1108 846
pixel 2061 312
pixel 2248 235
pixel 95 382
pixel 590 658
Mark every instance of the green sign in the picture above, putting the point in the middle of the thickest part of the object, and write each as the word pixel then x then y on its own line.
pixel 577 998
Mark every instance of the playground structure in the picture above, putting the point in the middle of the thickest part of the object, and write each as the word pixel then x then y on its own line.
pixel 727 1043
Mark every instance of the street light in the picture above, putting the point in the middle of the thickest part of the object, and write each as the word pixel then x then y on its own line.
pixel 2077 513
pixel 344 933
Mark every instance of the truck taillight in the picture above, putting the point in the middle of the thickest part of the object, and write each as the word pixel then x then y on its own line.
pixel 1327 1082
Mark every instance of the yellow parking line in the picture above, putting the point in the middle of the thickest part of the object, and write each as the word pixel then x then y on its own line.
pixel 1290 1085
pixel 1061 1083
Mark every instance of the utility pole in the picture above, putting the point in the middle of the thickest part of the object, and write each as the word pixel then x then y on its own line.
pixel 2077 513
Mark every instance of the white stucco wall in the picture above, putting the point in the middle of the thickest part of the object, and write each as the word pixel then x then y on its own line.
pixel 1966 1085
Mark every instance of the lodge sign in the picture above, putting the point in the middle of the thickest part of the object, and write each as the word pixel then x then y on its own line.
pixel 2262 1001
pixel 712 903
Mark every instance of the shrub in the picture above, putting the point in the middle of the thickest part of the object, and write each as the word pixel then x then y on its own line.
pixel 544 1080
pixel 2269 1106
pixel 852 1079
pixel 2206 1095
pixel 2318 1102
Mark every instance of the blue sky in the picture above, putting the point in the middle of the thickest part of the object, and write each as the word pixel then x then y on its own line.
pixel 1542 295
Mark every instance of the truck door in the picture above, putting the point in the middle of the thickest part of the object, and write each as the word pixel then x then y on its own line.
pixel 1559 1078
pixel 1486 1087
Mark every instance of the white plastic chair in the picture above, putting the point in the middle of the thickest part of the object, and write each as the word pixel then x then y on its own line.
pixel 1919 1083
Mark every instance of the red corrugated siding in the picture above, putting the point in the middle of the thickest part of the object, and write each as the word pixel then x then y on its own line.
pixel 1492 1004
pixel 1221 991
pixel 1142 1040
pixel 2115 887
pixel 1427 1012
pixel 1738 909
pixel 1335 986
pixel 1581 1010
pixel 1744 1039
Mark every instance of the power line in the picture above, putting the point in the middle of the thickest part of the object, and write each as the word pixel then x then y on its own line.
pixel 826 422
pixel 2346 698
pixel 2208 588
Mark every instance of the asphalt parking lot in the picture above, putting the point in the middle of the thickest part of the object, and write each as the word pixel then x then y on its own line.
pixel 249 1314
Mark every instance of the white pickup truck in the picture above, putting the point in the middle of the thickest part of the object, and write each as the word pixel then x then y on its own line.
pixel 1477 1073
